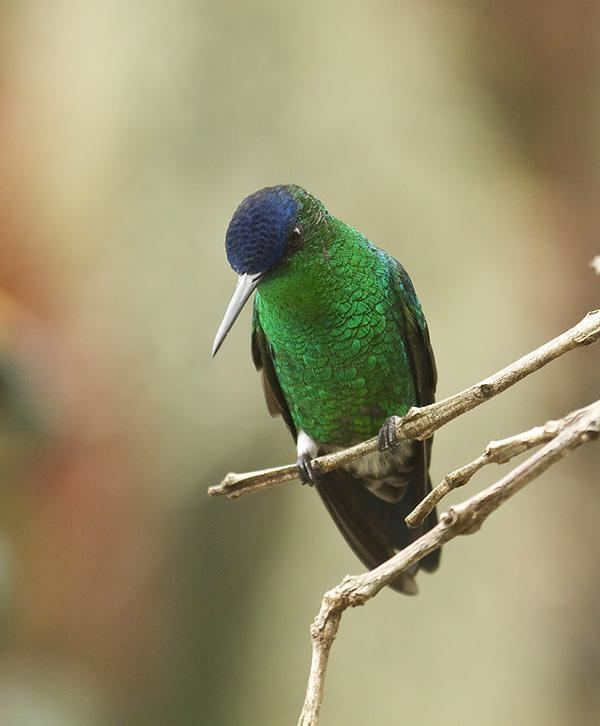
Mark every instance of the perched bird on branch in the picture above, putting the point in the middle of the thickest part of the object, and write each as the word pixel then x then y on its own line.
pixel 343 349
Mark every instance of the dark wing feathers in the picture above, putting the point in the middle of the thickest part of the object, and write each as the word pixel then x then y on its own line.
pixel 425 376
pixel 417 334
pixel 374 528
pixel 263 361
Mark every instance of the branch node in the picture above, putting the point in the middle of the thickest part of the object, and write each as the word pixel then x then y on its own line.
pixel 449 518
pixel 587 337
pixel 551 428
pixel 486 390
pixel 461 520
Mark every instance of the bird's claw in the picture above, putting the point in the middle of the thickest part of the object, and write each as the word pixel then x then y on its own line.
pixel 306 470
pixel 387 437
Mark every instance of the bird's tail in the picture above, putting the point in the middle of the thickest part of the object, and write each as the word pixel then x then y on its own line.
pixel 374 528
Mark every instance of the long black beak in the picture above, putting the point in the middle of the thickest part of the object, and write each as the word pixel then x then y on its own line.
pixel 244 288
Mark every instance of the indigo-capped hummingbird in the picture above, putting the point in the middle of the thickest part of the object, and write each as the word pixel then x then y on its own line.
pixel 342 346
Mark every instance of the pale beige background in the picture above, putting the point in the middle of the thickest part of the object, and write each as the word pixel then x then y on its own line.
pixel 460 136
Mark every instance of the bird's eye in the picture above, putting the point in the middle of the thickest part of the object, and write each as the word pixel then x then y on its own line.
pixel 296 239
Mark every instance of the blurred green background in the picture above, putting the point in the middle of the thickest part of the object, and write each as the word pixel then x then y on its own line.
pixel 461 136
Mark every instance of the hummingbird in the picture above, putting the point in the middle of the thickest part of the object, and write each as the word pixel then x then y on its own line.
pixel 342 347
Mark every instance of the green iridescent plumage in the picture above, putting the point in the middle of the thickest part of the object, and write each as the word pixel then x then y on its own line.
pixel 336 334
pixel 342 345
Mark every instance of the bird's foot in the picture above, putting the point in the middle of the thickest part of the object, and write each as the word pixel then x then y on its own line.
pixel 387 437
pixel 306 470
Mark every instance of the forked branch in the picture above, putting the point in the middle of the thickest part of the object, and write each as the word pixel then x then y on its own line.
pixel 465 518
pixel 496 452
pixel 559 438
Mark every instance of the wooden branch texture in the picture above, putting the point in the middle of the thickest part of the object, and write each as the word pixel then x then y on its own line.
pixel 558 438
pixel 465 518
pixel 420 423
pixel 496 452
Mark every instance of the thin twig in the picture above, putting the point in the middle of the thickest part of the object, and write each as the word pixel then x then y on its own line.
pixel 496 452
pixel 420 423
pixel 464 518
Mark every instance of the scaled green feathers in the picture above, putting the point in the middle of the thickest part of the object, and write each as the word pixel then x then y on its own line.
pixel 330 316
pixel 342 346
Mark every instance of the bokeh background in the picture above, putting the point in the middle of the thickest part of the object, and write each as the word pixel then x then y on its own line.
pixel 463 137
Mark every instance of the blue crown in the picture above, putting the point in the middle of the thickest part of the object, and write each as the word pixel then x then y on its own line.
pixel 257 235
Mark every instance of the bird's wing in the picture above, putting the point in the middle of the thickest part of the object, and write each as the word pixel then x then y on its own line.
pixel 416 334
pixel 262 355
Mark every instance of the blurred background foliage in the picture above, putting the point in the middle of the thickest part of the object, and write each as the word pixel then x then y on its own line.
pixel 462 136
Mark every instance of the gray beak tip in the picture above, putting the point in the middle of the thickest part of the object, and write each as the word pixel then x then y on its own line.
pixel 245 286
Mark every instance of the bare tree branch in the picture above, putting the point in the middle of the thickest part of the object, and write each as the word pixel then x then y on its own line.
pixel 496 452
pixel 465 518
pixel 560 437
pixel 420 423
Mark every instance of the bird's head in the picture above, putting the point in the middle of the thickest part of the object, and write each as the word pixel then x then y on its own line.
pixel 265 230
pixel 261 230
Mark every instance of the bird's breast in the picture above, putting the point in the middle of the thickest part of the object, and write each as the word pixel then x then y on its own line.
pixel 342 373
